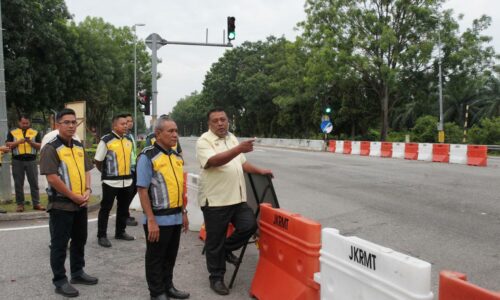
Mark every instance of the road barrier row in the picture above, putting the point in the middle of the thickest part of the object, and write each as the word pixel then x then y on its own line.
pixel 296 263
pixel 473 155
pixel 299 260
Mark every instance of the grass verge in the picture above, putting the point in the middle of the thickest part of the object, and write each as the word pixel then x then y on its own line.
pixel 28 206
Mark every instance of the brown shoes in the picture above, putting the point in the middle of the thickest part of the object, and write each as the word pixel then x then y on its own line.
pixel 38 207
pixel 20 208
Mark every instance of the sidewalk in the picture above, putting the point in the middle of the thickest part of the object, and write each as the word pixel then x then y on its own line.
pixel 95 176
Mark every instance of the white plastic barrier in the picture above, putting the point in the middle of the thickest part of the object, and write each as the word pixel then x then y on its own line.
pixel 195 215
pixel 352 268
pixel 425 151
pixel 398 150
pixel 339 147
pixel 136 203
pixel 375 148
pixel 355 148
pixel 458 154
pixel 317 145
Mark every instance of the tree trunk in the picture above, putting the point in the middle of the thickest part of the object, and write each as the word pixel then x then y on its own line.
pixel 385 113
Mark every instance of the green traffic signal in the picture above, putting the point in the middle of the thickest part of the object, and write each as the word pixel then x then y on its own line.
pixel 231 28
pixel 328 110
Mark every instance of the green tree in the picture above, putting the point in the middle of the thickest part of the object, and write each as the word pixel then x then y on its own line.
pixel 190 114
pixel 104 70
pixel 376 39
pixel 37 62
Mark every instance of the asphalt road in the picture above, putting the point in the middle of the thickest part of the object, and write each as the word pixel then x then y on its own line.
pixel 448 215
pixel 445 214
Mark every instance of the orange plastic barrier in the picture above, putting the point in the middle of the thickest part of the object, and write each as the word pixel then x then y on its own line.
pixel 454 286
pixel 347 147
pixel 203 231
pixel 411 151
pixel 441 153
pixel 386 149
pixel 364 149
pixel 477 155
pixel 331 145
pixel 289 247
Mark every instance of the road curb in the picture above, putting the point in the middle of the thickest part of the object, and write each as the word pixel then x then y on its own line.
pixel 36 215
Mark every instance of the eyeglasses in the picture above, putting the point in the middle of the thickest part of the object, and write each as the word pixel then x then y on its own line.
pixel 67 122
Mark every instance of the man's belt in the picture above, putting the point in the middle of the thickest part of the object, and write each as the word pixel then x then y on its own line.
pixel 24 157
pixel 117 177
pixel 167 211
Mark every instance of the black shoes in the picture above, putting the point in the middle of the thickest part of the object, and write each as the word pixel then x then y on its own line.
pixel 104 242
pixel 219 287
pixel 232 259
pixel 131 221
pixel 176 294
pixel 124 236
pixel 159 297
pixel 84 279
pixel 67 290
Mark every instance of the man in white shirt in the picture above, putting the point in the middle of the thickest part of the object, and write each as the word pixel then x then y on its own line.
pixel 113 158
pixel 222 195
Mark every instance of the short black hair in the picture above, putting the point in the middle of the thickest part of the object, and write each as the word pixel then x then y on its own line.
pixel 215 109
pixel 116 117
pixel 23 116
pixel 63 112
pixel 127 115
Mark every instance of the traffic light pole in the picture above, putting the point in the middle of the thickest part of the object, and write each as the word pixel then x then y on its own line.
pixel 5 188
pixel 155 42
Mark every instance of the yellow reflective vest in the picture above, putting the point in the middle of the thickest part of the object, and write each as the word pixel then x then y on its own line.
pixel 71 168
pixel 117 164
pixel 167 185
pixel 23 148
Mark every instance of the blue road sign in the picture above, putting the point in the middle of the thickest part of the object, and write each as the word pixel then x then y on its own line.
pixel 326 126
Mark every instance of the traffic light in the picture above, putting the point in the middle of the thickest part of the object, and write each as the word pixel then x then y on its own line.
pixel 144 102
pixel 231 33
pixel 328 109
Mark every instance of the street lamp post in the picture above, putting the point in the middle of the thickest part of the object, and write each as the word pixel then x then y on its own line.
pixel 135 78
pixel 441 118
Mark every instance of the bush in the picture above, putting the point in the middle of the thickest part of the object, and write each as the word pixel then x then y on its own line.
pixel 487 132
pixel 425 130
pixel 453 133
pixel 90 152
pixel 140 146
pixel 397 136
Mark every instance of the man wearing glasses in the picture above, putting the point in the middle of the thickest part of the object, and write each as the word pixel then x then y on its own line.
pixel 67 168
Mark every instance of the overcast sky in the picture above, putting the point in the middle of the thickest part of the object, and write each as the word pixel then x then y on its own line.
pixel 184 68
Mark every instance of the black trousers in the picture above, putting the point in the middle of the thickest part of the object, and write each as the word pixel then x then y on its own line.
pixel 123 198
pixel 216 245
pixel 66 225
pixel 19 169
pixel 160 259
pixel 134 190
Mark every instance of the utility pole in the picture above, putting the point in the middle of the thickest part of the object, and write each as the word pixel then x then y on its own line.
pixel 5 188
pixel 135 79
pixel 441 121
pixel 155 42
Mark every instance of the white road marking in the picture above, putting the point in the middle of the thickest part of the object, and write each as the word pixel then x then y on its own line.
pixel 39 226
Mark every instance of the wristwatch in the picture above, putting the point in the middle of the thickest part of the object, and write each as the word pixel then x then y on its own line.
pixel 89 189
pixel 184 211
